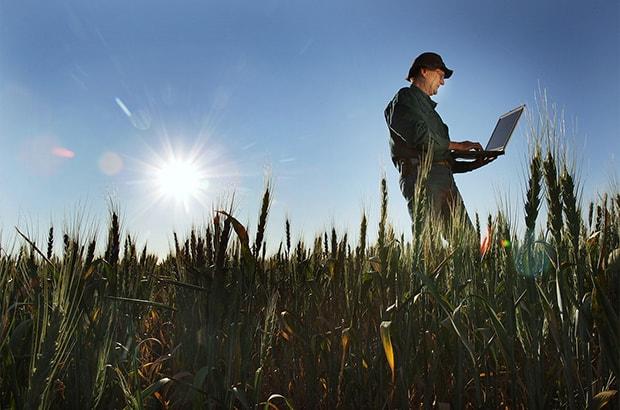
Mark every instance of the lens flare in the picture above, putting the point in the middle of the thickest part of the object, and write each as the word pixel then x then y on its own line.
pixel 110 163
pixel 62 152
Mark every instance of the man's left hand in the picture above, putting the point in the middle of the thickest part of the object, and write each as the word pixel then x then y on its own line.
pixel 465 146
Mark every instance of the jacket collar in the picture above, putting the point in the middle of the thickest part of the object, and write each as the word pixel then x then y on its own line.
pixel 423 95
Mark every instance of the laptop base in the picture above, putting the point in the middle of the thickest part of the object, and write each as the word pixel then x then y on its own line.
pixel 475 154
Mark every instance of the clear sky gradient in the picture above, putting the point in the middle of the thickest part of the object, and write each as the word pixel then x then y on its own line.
pixel 95 95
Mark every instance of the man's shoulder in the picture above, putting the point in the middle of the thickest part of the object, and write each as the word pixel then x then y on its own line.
pixel 405 91
pixel 409 96
pixel 403 95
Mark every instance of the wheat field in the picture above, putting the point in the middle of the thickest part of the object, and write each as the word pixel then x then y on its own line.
pixel 519 320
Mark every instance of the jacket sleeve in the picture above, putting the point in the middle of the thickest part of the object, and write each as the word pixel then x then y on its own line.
pixel 405 119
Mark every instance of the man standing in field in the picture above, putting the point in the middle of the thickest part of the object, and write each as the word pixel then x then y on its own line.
pixel 415 126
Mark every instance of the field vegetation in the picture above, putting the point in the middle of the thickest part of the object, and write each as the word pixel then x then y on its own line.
pixel 525 318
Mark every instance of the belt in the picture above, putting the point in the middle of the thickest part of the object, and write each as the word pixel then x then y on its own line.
pixel 406 167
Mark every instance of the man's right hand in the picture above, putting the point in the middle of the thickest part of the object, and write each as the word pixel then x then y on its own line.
pixel 480 162
pixel 459 167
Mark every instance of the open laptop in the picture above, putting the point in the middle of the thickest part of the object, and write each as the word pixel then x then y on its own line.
pixel 499 138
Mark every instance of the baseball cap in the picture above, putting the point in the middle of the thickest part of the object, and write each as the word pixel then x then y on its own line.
pixel 429 60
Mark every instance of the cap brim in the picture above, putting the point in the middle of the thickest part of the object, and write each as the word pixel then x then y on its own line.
pixel 447 72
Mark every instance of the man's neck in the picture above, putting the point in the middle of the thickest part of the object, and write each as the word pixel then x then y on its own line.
pixel 421 86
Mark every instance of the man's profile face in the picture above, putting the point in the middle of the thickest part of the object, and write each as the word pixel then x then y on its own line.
pixel 434 79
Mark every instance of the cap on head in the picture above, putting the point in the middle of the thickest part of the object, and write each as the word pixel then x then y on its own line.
pixel 428 60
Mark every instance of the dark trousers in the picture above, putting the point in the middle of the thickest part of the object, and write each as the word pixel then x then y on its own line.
pixel 441 189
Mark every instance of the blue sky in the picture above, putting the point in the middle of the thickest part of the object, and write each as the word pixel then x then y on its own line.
pixel 94 95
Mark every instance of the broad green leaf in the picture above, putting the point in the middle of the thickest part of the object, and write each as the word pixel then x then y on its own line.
pixel 200 377
pixel 242 234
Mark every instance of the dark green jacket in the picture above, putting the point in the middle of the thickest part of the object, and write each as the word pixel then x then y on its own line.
pixel 413 123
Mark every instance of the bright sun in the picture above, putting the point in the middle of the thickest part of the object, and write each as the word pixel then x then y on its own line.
pixel 181 180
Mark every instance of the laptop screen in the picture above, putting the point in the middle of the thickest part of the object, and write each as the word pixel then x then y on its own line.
pixel 503 130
